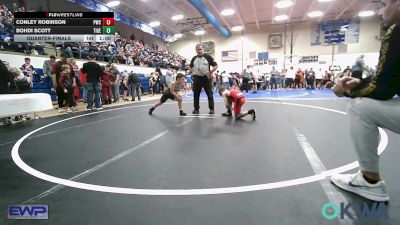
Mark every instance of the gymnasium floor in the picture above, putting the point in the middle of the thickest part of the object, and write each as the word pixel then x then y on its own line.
pixel 122 166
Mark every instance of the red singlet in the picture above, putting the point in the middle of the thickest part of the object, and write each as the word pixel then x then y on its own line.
pixel 238 99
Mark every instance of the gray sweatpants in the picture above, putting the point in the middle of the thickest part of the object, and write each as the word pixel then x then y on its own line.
pixel 366 115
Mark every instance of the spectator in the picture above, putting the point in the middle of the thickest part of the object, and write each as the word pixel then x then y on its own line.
pixel 115 79
pixel 47 65
pixel 246 78
pixel 282 78
pixel 225 80
pixel 106 80
pixel 28 69
pixel 56 71
pixel 83 79
pixel 5 78
pixel 298 80
pixel 134 83
pixel 310 79
pixel 6 81
pixel 67 84
pixel 93 71
pixel 68 49
pixel 163 79
pixel 189 82
pixel 23 85
pixel 169 76
pixel 160 83
pixel 254 80
pixel 85 51
pixel 124 83
pixel 132 37
pixel 76 71
pixel 274 78
pixel 290 75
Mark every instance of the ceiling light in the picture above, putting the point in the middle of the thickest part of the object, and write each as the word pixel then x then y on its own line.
pixel 227 12
pixel 177 17
pixel 237 28
pixel 325 0
pixel 315 14
pixel 284 4
pixel 154 24
pixel 178 35
pixel 199 32
pixel 366 13
pixel 281 18
pixel 112 3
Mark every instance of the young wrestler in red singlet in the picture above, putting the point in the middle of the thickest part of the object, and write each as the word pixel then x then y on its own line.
pixel 236 97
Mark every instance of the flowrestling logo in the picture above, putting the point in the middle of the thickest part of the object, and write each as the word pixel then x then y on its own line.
pixel 38 212
pixel 353 211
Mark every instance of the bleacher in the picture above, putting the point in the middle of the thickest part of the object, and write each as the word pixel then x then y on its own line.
pixel 44 87
pixel 144 81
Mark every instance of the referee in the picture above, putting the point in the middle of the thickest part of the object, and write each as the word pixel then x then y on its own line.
pixel 200 68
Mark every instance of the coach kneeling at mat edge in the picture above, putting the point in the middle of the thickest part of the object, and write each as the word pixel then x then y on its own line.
pixel 373 106
pixel 200 70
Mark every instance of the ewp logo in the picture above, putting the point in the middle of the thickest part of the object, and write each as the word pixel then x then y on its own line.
pixel 378 210
pixel 40 212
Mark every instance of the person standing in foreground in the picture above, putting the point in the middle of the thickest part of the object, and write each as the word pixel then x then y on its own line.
pixel 373 105
pixel 200 68
pixel 134 83
pixel 47 65
pixel 56 76
pixel 93 71
pixel 172 93
pixel 236 97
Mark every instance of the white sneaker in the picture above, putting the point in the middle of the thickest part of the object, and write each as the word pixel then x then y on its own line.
pixel 69 110
pixel 357 184
pixel 60 110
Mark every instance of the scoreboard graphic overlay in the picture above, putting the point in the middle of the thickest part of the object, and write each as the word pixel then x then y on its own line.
pixel 64 27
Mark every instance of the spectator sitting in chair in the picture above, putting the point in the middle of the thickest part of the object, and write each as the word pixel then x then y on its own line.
pixel 28 69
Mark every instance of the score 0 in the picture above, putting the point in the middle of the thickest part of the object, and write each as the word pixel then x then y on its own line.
pixel 108 30
pixel 108 22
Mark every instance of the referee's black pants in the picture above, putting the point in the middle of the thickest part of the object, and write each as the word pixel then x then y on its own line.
pixel 202 82
pixel 245 81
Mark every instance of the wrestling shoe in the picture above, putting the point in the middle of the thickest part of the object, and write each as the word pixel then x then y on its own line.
pixel 227 114
pixel 151 111
pixel 253 113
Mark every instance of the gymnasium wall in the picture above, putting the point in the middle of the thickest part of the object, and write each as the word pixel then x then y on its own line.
pixel 258 41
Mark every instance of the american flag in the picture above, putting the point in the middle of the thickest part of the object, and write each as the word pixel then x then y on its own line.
pixel 229 56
